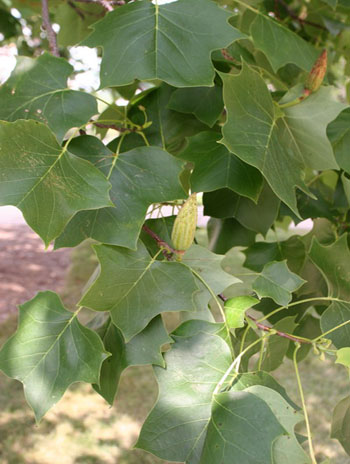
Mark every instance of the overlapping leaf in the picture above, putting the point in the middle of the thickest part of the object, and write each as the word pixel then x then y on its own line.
pixel 336 315
pixel 257 216
pixel 144 348
pixel 341 423
pixel 280 144
pixel 50 351
pixel 170 42
pixel 334 263
pixel 276 347
pixel 184 420
pixel 169 128
pixel 281 45
pixel 135 287
pixel 215 167
pixel 37 89
pixel 204 102
pixel 338 132
pixel 45 181
pixel 276 281
pixel 208 266
pixel 139 178
pixel 216 428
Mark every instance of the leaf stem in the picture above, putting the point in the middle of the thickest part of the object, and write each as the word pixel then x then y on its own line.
pixel 115 157
pixel 266 328
pixel 330 331
pixel 301 393
pixel 235 364
pixel 263 340
pixel 199 277
pixel 296 101
pixel 295 303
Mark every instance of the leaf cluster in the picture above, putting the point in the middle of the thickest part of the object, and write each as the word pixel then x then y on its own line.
pixel 204 96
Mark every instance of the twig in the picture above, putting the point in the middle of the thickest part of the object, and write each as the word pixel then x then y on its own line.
pixel 51 35
pixel 266 328
pixel 294 16
pixel 78 11
pixel 167 250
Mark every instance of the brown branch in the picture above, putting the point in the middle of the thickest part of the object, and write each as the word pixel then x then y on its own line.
pixel 167 250
pixel 51 35
pixel 294 16
pixel 266 328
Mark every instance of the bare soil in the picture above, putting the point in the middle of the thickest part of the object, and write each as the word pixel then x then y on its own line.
pixel 26 268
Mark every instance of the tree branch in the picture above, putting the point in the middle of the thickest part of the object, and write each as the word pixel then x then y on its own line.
pixel 294 16
pixel 51 35
pixel 266 328
pixel 167 250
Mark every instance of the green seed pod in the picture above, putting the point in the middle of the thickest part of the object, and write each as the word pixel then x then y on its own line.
pixel 315 78
pixel 185 224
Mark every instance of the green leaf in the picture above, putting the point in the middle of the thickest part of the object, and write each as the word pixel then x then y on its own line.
pixel 169 42
pixel 336 314
pixel 334 263
pixel 135 287
pixel 195 326
pixel 50 351
pixel 261 253
pixel 332 3
pixel 144 348
pixel 74 22
pixel 235 309
pixel 215 167
pixel 281 45
pixel 9 26
pixel 208 266
pixel 280 144
pixel 286 448
pixel 276 281
pixel 236 418
pixel 258 217
pixel 341 423
pixel 249 379
pixel 139 178
pixel 163 227
pixel 276 347
pixel 205 103
pixel 45 181
pixel 37 89
pixel 338 133
pixel 180 436
pixel 343 357
pixel 169 128
pixel 227 233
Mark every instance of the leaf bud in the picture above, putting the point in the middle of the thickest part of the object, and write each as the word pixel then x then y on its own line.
pixel 315 78
pixel 185 224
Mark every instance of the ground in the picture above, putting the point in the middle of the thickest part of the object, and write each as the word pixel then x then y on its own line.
pixel 82 428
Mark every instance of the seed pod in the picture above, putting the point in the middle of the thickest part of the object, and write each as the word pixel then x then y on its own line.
pixel 185 224
pixel 315 78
